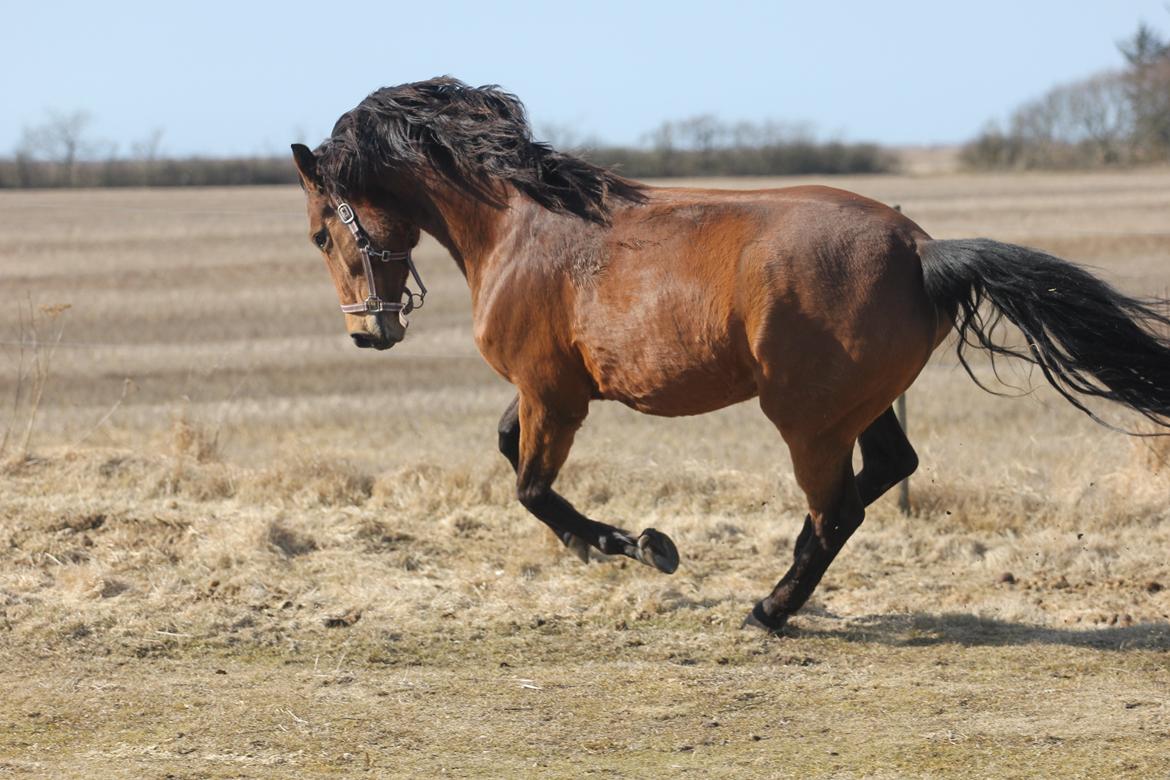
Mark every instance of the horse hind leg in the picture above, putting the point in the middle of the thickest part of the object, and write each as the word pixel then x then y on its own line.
pixel 837 501
pixel 887 458
pixel 824 471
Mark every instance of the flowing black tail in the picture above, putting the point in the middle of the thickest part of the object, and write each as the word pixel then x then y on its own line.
pixel 1086 337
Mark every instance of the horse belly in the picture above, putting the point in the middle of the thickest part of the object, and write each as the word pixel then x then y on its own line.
pixel 669 377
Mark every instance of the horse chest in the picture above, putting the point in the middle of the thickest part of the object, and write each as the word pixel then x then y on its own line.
pixel 519 342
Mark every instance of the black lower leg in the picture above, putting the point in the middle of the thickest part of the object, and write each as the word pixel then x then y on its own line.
pixel 650 547
pixel 509 444
pixel 887 458
pixel 575 530
pixel 809 565
pixel 806 533
pixel 819 542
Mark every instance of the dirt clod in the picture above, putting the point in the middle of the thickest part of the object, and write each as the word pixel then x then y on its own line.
pixel 344 620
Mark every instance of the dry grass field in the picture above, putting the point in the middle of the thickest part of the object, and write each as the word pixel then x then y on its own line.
pixel 238 547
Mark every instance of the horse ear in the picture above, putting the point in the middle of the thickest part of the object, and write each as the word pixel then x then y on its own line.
pixel 307 167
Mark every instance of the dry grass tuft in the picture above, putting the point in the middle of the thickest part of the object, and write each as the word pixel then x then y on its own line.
pixel 193 441
pixel 433 489
pixel 308 482
pixel 1152 453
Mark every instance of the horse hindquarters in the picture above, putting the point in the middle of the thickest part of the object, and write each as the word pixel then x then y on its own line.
pixel 833 354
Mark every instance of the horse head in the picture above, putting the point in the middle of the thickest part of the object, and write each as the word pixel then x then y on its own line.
pixel 366 245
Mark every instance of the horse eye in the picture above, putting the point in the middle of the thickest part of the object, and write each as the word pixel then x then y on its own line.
pixel 320 238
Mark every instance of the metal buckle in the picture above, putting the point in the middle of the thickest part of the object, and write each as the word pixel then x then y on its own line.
pixel 374 304
pixel 345 213
pixel 386 255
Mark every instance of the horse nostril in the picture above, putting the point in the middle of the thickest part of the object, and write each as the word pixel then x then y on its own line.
pixel 362 340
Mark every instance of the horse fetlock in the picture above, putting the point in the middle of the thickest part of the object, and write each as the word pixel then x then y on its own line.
pixel 761 618
pixel 577 546
pixel 615 542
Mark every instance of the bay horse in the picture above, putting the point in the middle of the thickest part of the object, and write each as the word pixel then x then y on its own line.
pixel 587 285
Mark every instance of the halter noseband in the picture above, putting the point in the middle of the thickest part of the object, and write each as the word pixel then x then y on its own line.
pixel 373 304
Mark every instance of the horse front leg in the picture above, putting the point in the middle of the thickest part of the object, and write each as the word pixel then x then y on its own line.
pixel 536 439
pixel 509 440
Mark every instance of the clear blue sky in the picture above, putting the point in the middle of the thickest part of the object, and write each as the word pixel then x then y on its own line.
pixel 243 78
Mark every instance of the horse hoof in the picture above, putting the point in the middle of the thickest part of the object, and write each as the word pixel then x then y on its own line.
pixel 760 619
pixel 655 549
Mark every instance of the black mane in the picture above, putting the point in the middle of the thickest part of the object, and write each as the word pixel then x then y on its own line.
pixel 473 138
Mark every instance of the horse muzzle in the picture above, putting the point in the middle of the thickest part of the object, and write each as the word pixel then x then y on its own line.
pixel 382 332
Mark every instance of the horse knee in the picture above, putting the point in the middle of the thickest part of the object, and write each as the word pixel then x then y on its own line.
pixel 533 497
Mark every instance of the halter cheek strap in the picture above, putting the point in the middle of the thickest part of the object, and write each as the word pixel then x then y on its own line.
pixel 373 304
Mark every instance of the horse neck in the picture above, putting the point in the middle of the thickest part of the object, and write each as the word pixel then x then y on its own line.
pixel 468 228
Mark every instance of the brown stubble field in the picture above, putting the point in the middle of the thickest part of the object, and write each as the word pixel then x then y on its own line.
pixel 239 547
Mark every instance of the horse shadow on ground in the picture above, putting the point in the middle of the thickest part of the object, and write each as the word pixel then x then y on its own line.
pixel 967 630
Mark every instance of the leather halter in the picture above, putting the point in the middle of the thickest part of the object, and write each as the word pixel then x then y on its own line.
pixel 373 304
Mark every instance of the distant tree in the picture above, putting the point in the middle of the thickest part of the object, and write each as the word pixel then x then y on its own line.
pixel 1106 119
pixel 146 151
pixel 60 139
pixel 703 145
pixel 1145 47
pixel 1085 123
pixel 705 135
pixel 1148 55
pixel 1102 117
pixel 663 144
pixel 147 148
pixel 563 137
